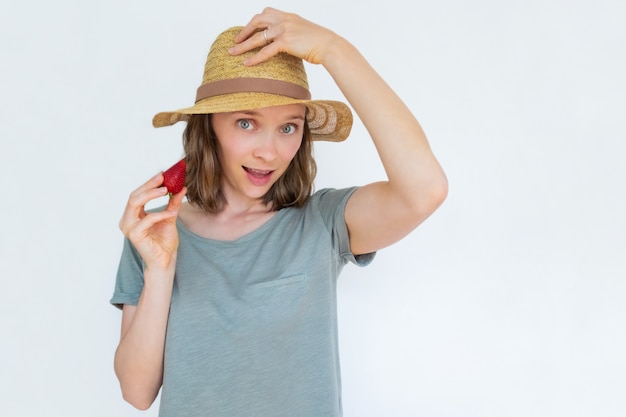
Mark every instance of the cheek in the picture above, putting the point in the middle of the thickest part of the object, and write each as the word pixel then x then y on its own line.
pixel 291 149
pixel 231 150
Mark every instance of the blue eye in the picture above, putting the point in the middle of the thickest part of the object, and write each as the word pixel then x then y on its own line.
pixel 289 128
pixel 244 124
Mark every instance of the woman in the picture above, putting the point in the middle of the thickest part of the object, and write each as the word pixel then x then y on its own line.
pixel 229 298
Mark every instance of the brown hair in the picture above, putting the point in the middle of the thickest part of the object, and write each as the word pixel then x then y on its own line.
pixel 204 173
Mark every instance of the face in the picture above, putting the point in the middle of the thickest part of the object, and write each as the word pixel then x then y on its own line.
pixel 256 147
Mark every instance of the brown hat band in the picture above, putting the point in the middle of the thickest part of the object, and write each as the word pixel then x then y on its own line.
pixel 252 85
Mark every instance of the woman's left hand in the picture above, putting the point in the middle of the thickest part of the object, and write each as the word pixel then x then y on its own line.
pixel 275 31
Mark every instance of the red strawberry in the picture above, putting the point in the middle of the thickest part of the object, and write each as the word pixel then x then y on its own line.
pixel 174 177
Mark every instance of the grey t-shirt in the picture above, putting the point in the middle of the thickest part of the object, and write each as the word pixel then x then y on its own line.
pixel 252 329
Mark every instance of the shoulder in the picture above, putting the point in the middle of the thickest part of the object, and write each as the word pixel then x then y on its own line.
pixel 328 206
pixel 330 198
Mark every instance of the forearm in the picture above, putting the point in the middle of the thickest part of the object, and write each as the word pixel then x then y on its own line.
pixel 412 169
pixel 139 356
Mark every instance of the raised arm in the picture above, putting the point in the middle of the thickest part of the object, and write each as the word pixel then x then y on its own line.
pixel 380 213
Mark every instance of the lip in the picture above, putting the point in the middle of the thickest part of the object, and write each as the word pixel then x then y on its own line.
pixel 258 176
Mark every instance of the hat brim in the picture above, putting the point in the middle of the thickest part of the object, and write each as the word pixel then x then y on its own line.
pixel 328 120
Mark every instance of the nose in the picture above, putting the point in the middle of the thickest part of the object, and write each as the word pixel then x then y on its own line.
pixel 265 147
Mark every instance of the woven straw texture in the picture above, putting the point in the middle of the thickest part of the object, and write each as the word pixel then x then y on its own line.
pixel 328 120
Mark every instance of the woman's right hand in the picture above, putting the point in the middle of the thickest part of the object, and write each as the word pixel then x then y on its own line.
pixel 276 31
pixel 153 234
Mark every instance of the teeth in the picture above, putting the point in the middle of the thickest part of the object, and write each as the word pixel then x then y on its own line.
pixel 258 171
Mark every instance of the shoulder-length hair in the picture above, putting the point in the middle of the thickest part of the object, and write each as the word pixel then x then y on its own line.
pixel 204 173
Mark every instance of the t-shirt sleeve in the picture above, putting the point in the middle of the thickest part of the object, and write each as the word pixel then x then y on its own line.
pixel 332 207
pixel 129 280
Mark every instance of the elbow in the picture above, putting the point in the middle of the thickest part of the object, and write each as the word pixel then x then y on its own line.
pixel 428 199
pixel 143 406
pixel 137 392
pixel 439 191
pixel 138 400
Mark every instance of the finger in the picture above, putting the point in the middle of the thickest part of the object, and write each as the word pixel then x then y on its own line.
pixel 176 200
pixel 155 217
pixel 135 209
pixel 151 186
pixel 264 54
pixel 150 244
pixel 258 22
pixel 140 229
pixel 153 182
pixel 245 34
pixel 255 41
pixel 137 200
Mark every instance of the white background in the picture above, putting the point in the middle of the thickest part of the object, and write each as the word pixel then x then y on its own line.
pixel 508 301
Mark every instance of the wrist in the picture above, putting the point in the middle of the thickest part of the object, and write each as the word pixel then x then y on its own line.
pixel 160 271
pixel 338 51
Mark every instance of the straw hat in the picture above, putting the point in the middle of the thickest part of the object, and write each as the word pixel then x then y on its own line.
pixel 228 85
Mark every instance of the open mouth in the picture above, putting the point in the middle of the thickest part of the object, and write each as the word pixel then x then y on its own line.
pixel 258 173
